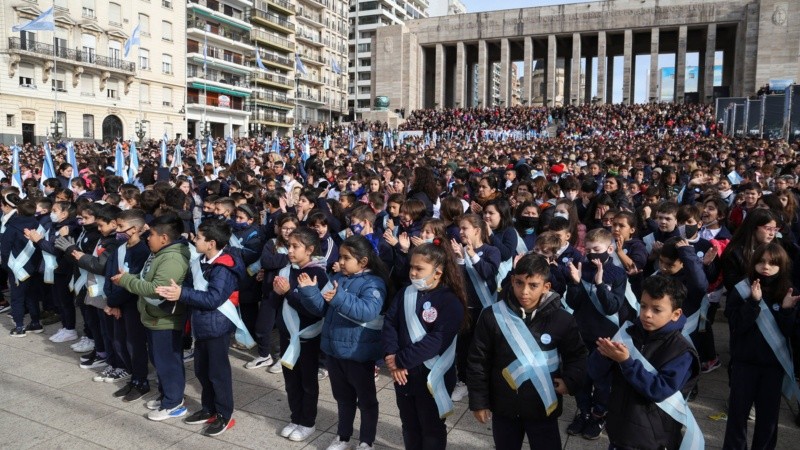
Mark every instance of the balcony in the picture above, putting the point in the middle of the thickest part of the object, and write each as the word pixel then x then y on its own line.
pixel 235 104
pixel 272 20
pixel 272 40
pixel 311 79
pixel 317 3
pixel 312 58
pixel 277 98
pixel 309 38
pixel 274 60
pixel 273 79
pixel 309 98
pixel 196 26
pixel 263 116
pixel 45 51
pixel 313 19
pixel 278 5
pixel 218 11
pixel 216 53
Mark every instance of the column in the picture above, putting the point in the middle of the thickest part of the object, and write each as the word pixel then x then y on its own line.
pixel 575 69
pixel 505 72
pixel 680 65
pixel 627 68
pixel 438 89
pixel 550 98
pixel 483 73
pixel 653 94
pixel 587 80
pixel 602 96
pixel 461 75
pixel 707 88
pixel 527 72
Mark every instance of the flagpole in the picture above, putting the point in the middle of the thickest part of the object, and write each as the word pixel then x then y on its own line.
pixel 55 77
pixel 205 84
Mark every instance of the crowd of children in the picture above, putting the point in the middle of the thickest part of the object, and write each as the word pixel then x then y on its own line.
pixel 503 285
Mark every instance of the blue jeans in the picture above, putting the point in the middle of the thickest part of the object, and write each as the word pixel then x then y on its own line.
pixel 166 354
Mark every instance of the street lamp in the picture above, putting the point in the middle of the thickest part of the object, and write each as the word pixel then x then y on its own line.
pixel 56 129
pixel 141 131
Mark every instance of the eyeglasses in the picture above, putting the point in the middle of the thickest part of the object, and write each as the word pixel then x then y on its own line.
pixel 769 229
pixel 288 230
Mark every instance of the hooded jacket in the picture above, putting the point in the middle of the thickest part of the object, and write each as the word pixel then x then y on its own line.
pixel 490 353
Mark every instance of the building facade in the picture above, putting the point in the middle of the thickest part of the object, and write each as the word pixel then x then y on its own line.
pixel 78 75
pixel 431 62
pixel 366 16
pixel 438 8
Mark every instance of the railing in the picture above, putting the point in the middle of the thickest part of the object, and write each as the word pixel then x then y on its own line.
pixel 80 56
pixel 216 76
pixel 266 37
pixel 308 36
pixel 313 57
pixel 213 52
pixel 316 18
pixel 272 78
pixel 277 59
pixel 262 5
pixel 268 116
pixel 219 7
pixel 194 22
pixel 308 97
pixel 271 17
pixel 235 103
pixel 271 97
pixel 311 78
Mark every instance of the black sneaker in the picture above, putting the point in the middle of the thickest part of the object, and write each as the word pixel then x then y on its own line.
pixel 88 356
pixel 594 426
pixel 578 424
pixel 123 391
pixel 34 328
pixel 94 363
pixel 18 332
pixel 218 426
pixel 200 417
pixel 138 390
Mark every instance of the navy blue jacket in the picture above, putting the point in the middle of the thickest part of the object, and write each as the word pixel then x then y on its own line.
pixel 330 250
pixel 223 276
pixel 693 277
pixel 506 241
pixel 135 257
pixel 314 269
pixel 610 293
pixel 701 247
pixel 64 266
pixel 559 273
pixel 487 267
pixel 637 252
pixel 439 335
pixel 252 246
pixel 359 298
pixel 13 241
pixel 271 262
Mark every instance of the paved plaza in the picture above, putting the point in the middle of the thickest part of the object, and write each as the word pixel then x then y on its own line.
pixel 48 402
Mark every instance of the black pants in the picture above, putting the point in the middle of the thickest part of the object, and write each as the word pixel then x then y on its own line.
pixel 64 300
pixel 463 344
pixel 423 429
pixel 751 384
pixel 353 385
pixel 166 355
pixel 130 342
pixel 213 369
pixel 249 313
pixel 106 325
pixel 265 322
pixel 704 339
pixel 22 299
pixel 508 433
pixel 302 384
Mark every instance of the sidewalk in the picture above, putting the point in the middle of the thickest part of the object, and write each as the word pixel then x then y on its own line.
pixel 47 402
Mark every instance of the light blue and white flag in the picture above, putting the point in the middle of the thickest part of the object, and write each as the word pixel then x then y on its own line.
pixel 135 39
pixel 16 176
pixel 210 151
pixel 299 65
pixel 258 61
pixel 45 22
pixel 133 167
pixel 276 144
pixel 335 67
pixel 72 160
pixel 164 150
pixel 119 162
pixel 199 152
pixel 48 170
pixel 230 152
pixel 177 159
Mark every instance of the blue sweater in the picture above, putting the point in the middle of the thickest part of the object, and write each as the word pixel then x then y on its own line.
pixel 359 298
pixel 505 240
pixel 135 257
pixel 13 241
pixel 610 293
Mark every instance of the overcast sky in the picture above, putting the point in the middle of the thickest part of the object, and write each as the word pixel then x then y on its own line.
pixel 486 5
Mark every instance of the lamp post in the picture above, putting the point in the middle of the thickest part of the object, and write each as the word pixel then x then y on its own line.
pixel 56 129
pixel 141 131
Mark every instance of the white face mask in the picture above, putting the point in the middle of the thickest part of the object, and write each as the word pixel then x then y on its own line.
pixel 421 284
pixel 54 217
pixel 561 214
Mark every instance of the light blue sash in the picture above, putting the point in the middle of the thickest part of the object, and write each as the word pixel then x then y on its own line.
pixel 532 364
pixel 484 294
pixel 50 263
pixel 507 265
pixel 776 340
pixel 649 240
pixel 439 364
pixel 235 241
pixel 591 291
pixel 95 282
pixel 253 269
pixel 629 295
pixel 292 321
pixel 374 324
pixel 17 263
pixel 697 320
pixel 675 405
pixel 228 309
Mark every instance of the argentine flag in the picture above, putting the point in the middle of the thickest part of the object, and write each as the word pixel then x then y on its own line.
pixel 45 22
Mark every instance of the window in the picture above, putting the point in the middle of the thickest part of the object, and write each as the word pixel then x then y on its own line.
pixel 166 96
pixel 88 9
pixel 166 30
pixel 61 117
pixel 112 89
pixel 144 93
pixel 88 46
pixel 114 49
pixel 26 75
pixel 87 85
pixel 88 126
pixel 9 120
pixel 26 39
pixel 166 3
pixel 59 81
pixel 144 59
pixel 144 24
pixel 60 42
pixel 62 4
pixel 166 64
pixel 115 14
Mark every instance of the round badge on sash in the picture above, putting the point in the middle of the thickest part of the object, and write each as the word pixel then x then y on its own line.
pixel 426 305
pixel 776 307
pixel 429 315
pixel 546 339
pixel 700 255
pixel 625 250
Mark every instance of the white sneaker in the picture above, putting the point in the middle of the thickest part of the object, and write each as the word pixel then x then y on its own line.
pixel 87 346
pixel 107 372
pixel 82 340
pixel 57 334
pixel 337 444
pixel 287 430
pixel 66 336
pixel 459 392
pixel 364 446
pixel 261 361
pixel 322 373
pixel 164 414
pixel 276 368
pixel 301 433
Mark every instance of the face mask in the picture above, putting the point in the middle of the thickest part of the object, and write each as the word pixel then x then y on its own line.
pixel 123 237
pixel 291 155
pixel 124 206
pixel 220 216
pixel 357 228
pixel 528 222
pixel 38 215
pixel 603 257
pixel 428 241
pixel 687 231
pixel 239 226
pixel 561 214
pixel 54 217
pixel 421 284
pixel 768 279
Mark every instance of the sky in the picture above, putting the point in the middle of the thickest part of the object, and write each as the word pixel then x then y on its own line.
pixel 487 5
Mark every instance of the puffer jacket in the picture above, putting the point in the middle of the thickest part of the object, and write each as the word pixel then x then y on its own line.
pixel 223 276
pixel 554 329
pixel 13 241
pixel 359 299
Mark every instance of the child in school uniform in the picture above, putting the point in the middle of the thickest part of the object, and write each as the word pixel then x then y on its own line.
pixel 596 294
pixel 211 294
pixel 329 244
pixel 168 261
pixel 299 331
pixel 351 335
pixel 248 237
pixel 666 227
pixel 524 405
pixel 655 340
pixel 762 317
pixel 129 334
pixel 419 334
pixel 479 263
pixel 630 252
pixel 547 245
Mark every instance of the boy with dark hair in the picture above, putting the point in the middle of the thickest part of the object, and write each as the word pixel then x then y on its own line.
pixel 526 329
pixel 596 294
pixel 212 296
pixel 168 262
pixel 650 363
pixel 666 223
pixel 750 192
